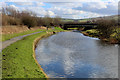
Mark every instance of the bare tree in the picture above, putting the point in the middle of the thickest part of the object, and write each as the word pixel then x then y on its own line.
pixel 106 27
pixel 57 21
pixel 29 19
pixel 47 20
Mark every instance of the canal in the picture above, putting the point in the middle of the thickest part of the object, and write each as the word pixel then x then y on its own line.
pixel 73 55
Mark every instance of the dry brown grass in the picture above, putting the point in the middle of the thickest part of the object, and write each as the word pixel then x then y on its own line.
pixel 13 29
pixel 16 29
pixel 35 28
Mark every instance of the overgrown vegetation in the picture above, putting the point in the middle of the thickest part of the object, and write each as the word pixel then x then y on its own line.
pixel 108 30
pixel 106 27
pixel 11 16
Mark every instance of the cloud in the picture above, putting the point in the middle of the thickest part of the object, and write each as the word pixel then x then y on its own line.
pixel 40 11
pixel 65 11
pixel 59 0
pixel 30 3
pixel 40 4
pixel 96 5
pixel 76 10
pixel 100 8
pixel 68 12
pixel 13 6
pixel 3 4
pixel 51 13
pixel 66 4
pixel 24 3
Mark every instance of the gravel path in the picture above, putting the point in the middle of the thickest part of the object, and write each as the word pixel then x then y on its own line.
pixel 8 42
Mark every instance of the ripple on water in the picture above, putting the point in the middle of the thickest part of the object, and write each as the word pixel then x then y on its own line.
pixel 72 55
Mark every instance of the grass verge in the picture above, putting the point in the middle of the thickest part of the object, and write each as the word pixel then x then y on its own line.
pixel 18 61
pixel 91 33
pixel 9 36
pixel 114 37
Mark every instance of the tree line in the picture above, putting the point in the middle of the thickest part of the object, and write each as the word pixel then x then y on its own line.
pixel 11 16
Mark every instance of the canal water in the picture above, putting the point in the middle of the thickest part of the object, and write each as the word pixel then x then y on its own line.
pixel 73 55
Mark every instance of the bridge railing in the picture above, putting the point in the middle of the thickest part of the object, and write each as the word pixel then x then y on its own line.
pixel 86 25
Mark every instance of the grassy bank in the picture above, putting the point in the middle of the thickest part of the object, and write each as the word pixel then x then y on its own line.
pixel 18 61
pixel 91 33
pixel 114 37
pixel 72 28
pixel 9 36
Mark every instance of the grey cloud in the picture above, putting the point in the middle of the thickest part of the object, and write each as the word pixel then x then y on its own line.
pixel 24 3
pixel 55 0
pixel 109 10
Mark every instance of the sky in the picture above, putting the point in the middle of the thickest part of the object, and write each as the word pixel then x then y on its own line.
pixel 72 9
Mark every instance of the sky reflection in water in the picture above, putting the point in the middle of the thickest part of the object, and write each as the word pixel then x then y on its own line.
pixel 72 55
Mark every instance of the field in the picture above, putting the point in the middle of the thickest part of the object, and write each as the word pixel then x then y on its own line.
pixel 77 20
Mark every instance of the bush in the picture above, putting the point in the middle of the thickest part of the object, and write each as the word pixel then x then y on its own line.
pixel 29 21
pixel 4 20
pixel 14 21
pixel 57 21
pixel 40 22
pixel 106 27
pixel 8 20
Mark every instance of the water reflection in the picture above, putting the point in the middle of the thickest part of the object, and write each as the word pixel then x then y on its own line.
pixel 72 55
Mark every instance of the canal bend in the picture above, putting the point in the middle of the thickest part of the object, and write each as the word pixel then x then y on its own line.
pixel 73 55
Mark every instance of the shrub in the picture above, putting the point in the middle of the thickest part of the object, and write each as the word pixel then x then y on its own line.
pixel 106 27
pixel 14 21
pixel 4 20
pixel 57 21
pixel 8 20
pixel 29 21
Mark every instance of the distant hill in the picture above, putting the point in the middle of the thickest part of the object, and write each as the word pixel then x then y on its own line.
pixel 115 17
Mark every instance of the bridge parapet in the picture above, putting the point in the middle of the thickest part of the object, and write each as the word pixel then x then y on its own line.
pixel 86 25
